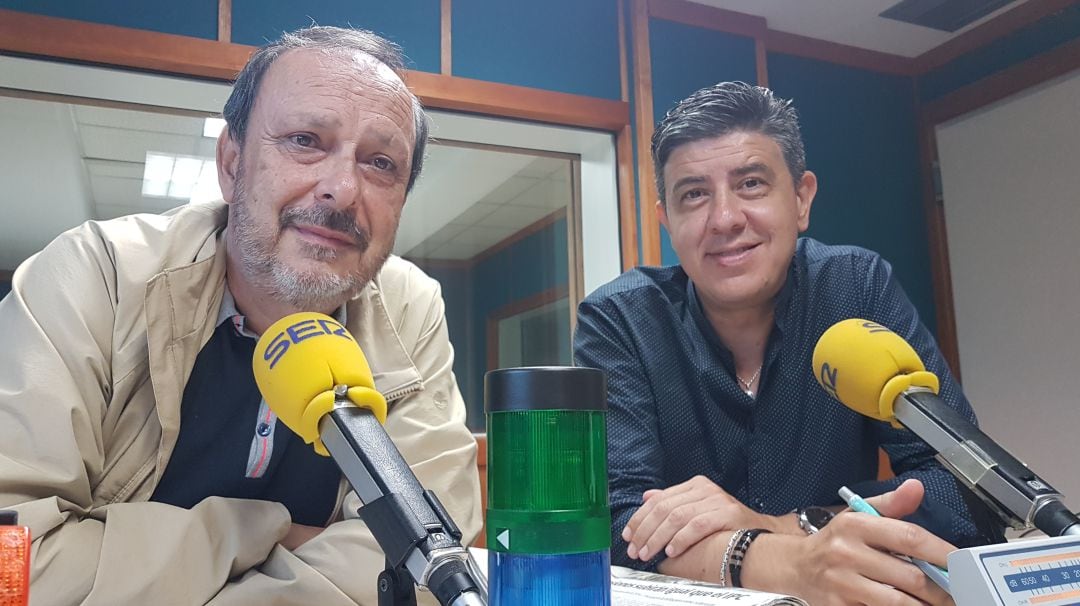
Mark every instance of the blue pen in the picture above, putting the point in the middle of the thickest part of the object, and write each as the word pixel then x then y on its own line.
pixel 936 574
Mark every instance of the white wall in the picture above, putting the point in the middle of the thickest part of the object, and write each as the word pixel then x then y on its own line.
pixel 44 184
pixel 1011 177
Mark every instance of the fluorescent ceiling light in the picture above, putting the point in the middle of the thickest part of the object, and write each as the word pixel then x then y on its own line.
pixel 206 188
pixel 212 127
pixel 157 172
pixel 183 177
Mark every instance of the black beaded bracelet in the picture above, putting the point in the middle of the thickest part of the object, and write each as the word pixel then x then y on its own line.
pixel 738 554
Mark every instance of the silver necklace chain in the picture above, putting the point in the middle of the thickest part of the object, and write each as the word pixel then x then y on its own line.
pixel 748 385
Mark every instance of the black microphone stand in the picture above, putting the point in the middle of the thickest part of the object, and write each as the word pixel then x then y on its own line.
pixel 1020 498
pixel 421 542
pixel 396 586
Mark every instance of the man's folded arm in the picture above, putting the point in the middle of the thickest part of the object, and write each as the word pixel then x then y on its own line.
pixel 635 454
pixel 58 321
pixel 428 427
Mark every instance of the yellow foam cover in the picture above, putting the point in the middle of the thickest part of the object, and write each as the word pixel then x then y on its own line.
pixel 867 366
pixel 297 363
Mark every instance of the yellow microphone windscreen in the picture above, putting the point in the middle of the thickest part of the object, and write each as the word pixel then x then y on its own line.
pixel 298 362
pixel 866 366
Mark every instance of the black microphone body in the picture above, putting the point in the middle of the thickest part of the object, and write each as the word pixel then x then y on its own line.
pixel 411 526
pixel 1019 496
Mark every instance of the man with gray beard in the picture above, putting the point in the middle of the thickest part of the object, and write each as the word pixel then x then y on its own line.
pixel 133 439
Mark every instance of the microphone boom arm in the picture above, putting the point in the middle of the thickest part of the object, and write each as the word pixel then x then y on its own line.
pixel 409 523
pixel 1019 497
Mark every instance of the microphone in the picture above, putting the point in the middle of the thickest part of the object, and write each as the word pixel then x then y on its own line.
pixel 873 371
pixel 315 378
pixel 14 561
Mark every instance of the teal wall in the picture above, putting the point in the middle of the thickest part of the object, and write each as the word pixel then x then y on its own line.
pixel 570 46
pixel 414 24
pixel 685 59
pixel 1025 43
pixel 535 264
pixel 529 267
pixel 458 302
pixel 196 18
pixel 859 125
pixel 860 131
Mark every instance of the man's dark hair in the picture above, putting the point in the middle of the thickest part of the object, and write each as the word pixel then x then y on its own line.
pixel 725 108
pixel 323 38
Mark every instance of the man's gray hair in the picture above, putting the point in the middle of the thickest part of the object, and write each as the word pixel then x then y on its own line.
pixel 726 108
pixel 324 38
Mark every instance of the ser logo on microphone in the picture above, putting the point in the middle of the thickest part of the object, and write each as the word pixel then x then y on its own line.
pixel 294 334
pixel 828 379
pixel 873 327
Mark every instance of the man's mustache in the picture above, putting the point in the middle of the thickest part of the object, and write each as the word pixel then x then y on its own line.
pixel 321 216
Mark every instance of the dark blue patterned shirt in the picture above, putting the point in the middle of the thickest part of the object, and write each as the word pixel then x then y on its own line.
pixel 676 410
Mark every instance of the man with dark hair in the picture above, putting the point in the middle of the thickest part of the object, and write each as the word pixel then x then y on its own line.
pixel 133 439
pixel 725 456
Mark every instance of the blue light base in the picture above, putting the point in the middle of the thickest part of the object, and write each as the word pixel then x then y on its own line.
pixel 581 579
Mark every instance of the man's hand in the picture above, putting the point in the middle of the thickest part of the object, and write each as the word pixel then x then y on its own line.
pixel 850 561
pixel 677 518
pixel 298 535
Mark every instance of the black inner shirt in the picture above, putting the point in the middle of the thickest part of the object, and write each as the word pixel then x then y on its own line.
pixel 225 449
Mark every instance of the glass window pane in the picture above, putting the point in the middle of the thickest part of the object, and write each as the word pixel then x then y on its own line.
pixel 77 162
pixel 496 227
pixel 500 225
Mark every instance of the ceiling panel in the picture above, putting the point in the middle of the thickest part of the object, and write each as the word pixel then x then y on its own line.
pixel 455 251
pixel 543 166
pixel 131 145
pixel 444 235
pixel 482 237
pixel 467 201
pixel 510 189
pixel 116 190
pixel 545 194
pixel 129 120
pixel 852 22
pixel 510 216
pixel 114 168
pixel 423 250
pixel 476 213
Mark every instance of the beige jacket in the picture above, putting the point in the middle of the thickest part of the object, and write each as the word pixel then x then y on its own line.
pixel 100 334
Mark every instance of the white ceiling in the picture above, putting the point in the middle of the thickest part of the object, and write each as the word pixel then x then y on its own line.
pixel 74 163
pixel 470 199
pixel 851 22
pixel 114 143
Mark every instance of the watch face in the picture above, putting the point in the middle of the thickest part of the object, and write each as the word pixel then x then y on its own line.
pixel 812 519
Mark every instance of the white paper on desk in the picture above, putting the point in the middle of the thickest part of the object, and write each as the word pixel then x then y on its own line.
pixel 637 588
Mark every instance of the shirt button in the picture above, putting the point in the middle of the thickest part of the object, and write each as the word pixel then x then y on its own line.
pixel 263 429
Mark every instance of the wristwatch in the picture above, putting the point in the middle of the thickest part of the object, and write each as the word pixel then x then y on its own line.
pixel 813 518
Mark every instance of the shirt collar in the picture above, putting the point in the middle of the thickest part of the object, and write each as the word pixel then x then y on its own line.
pixel 784 305
pixel 781 308
pixel 228 311
pixel 697 312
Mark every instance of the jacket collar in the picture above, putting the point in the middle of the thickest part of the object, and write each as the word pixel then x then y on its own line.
pixel 182 303
pixel 369 320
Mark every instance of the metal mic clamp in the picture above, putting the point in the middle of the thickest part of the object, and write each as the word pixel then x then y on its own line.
pixel 421 542
pixel 1018 496
pixel 396 587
